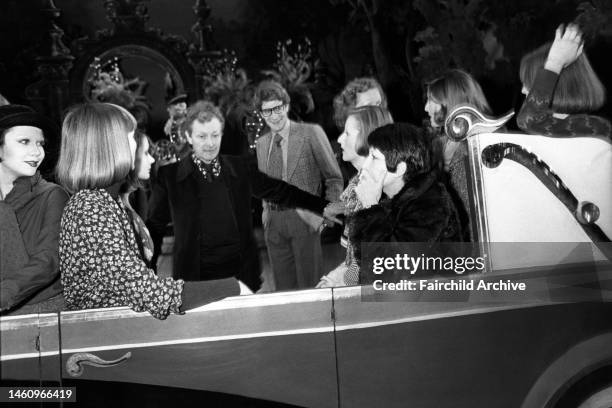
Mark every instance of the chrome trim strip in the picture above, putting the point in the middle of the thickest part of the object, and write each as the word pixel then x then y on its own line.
pixel 31 315
pixel 475 163
pixel 34 320
pixel 435 316
pixel 235 302
pixel 28 355
pixel 327 329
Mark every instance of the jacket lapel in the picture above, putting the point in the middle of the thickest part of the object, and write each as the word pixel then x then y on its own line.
pixel 263 146
pixel 186 184
pixel 294 148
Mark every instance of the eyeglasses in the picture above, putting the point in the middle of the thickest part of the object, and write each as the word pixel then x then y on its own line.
pixel 266 113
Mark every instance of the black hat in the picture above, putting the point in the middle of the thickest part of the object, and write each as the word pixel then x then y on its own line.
pixel 177 99
pixel 174 93
pixel 21 115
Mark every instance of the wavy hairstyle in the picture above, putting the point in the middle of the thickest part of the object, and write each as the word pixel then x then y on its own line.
pixel 346 100
pixel 453 88
pixel 202 111
pixel 578 89
pixel 95 149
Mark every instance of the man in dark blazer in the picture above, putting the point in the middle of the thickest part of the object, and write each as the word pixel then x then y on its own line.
pixel 208 198
pixel 300 154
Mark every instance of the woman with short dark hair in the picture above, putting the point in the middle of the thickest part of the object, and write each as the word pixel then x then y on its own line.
pixel 417 207
pixel 562 89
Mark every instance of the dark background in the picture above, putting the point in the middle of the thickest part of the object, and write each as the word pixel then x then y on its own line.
pixel 402 43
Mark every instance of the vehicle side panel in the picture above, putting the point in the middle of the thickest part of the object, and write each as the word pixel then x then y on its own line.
pixel 277 347
pixel 29 346
pixel 453 355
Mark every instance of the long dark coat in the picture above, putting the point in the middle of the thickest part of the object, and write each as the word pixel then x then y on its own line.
pixel 30 221
pixel 175 197
pixel 422 211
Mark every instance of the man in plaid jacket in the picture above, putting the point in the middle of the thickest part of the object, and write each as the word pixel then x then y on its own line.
pixel 300 154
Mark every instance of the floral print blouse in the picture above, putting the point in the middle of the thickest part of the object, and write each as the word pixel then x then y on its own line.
pixel 352 205
pixel 100 263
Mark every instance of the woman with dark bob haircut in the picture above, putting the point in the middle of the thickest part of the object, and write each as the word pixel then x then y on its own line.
pixel 417 207
pixel 100 261
pixel 562 89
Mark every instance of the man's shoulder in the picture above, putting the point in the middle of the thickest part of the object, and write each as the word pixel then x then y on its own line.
pixel 306 127
pixel 168 170
pixel 312 133
pixel 232 158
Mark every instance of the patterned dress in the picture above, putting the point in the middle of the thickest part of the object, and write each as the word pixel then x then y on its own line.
pixel 100 263
pixel 352 205
pixel 536 116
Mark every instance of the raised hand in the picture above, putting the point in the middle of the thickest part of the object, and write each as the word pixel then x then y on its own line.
pixel 565 49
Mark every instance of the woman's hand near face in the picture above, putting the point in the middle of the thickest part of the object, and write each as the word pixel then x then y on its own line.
pixel 566 48
pixel 369 188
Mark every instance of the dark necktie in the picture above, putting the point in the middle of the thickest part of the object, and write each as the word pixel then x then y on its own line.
pixel 275 162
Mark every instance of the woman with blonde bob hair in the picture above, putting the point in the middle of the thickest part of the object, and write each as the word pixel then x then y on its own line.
pixel 561 88
pixel 100 261
pixel 95 150
pixel 353 141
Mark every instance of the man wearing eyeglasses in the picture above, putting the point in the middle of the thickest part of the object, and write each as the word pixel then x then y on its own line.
pixel 300 154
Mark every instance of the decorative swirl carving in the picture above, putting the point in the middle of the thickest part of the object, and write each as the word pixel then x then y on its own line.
pixel 586 213
pixel 465 121
pixel 75 363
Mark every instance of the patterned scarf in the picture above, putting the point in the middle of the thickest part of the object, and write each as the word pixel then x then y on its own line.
pixel 142 235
